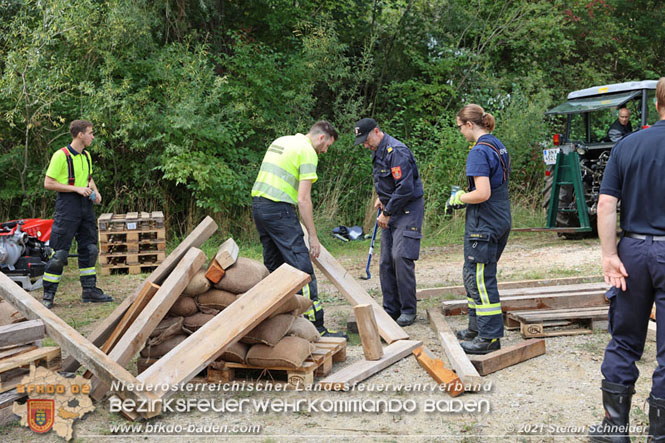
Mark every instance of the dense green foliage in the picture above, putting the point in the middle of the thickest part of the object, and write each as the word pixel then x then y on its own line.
pixel 186 95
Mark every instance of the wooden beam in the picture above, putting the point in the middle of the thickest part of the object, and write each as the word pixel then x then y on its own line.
pixel 456 355
pixel 531 302
pixel 505 287
pixel 147 320
pixel 48 353
pixel 355 294
pixel 369 332
pixel 509 356
pixel 21 333
pixel 70 340
pixel 209 342
pixel 215 272
pixel 355 373
pixel 438 371
pixel 227 254
pixel 196 238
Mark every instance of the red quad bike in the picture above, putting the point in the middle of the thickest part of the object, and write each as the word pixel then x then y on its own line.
pixel 24 250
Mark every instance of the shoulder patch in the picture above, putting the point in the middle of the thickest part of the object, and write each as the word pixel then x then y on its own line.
pixel 397 172
pixel 390 149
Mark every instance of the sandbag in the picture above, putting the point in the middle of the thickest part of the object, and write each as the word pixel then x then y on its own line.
pixel 198 284
pixel 194 322
pixel 207 310
pixel 163 348
pixel 269 331
pixel 167 328
pixel 242 276
pixel 296 305
pixel 235 353
pixel 290 352
pixel 183 307
pixel 304 328
pixel 216 299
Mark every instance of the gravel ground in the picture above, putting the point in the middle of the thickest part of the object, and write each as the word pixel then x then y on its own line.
pixel 549 398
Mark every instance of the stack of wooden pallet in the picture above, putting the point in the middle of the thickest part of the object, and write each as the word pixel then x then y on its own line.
pixel 131 243
pixel 20 348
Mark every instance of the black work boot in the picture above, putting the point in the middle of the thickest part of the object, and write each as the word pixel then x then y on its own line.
pixel 47 300
pixel 406 319
pixel 656 419
pixel 481 345
pixel 616 402
pixel 325 332
pixel 95 295
pixel 470 332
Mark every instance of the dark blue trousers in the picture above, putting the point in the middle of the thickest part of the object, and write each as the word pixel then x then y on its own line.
pixel 400 248
pixel 629 313
pixel 283 242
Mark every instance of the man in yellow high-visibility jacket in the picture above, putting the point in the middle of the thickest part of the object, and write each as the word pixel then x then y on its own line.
pixel 284 182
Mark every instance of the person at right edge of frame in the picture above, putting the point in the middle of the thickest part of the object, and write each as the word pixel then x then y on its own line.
pixel 488 222
pixel 400 197
pixel 635 271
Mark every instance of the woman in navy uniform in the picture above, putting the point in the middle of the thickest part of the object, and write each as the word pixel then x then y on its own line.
pixel 488 222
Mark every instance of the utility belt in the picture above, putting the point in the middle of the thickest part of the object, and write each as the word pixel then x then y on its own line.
pixel 644 236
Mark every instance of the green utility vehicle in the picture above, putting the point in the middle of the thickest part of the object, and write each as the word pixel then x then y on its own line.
pixel 576 161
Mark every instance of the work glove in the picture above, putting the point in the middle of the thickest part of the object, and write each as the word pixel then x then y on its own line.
pixel 454 201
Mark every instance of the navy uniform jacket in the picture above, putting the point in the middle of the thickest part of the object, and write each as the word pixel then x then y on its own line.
pixel 396 177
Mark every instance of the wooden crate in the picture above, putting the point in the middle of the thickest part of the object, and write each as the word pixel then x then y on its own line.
pixel 131 221
pixel 574 321
pixel 328 350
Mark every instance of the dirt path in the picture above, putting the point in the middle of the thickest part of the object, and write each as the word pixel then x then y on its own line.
pixel 544 399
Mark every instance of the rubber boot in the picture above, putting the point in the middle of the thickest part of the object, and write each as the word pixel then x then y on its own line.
pixel 47 299
pixel 470 332
pixel 656 419
pixel 95 295
pixel 616 402
pixel 479 345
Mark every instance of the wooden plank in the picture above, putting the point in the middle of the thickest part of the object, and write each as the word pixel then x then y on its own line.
pixel 369 332
pixel 355 373
pixel 653 312
pixel 456 355
pixel 196 238
pixel 565 314
pixel 508 356
pixel 529 302
pixel 651 331
pixel 355 294
pixel 147 320
pixel 21 333
pixel 48 353
pixel 130 316
pixel 209 342
pixel 70 340
pixel 506 287
pixel 10 352
pixel 7 399
pixel 227 254
pixel 437 370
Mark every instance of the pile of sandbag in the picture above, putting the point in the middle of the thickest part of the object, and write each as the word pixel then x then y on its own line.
pixel 282 340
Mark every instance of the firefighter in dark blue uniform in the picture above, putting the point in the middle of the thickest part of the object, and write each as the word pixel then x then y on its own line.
pixel 400 192
pixel 488 222
pixel 70 175
pixel 636 271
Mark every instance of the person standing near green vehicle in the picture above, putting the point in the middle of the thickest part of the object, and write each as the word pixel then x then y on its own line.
pixel 488 222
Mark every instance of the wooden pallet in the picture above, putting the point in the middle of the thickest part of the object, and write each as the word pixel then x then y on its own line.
pixel 131 221
pixel 137 237
pixel 132 247
pixel 13 369
pixel 128 269
pixel 150 257
pixel 532 324
pixel 328 350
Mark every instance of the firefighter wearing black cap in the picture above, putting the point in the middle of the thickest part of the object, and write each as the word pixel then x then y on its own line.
pixel 70 175
pixel 400 192
pixel 634 175
pixel 488 221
